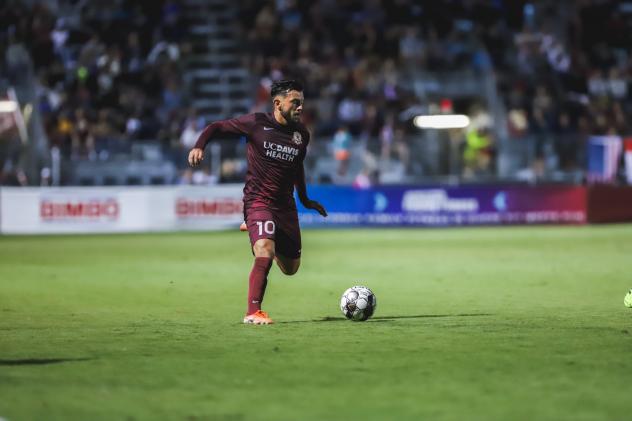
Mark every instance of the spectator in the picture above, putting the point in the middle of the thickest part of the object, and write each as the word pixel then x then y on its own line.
pixel 478 151
pixel 342 149
pixel 566 145
pixel 82 138
pixel 351 113
pixel 193 127
pixel 387 134
pixel 617 85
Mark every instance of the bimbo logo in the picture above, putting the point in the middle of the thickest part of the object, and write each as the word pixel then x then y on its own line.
pixel 201 207
pixel 75 210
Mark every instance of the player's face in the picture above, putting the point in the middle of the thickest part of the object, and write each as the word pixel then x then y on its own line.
pixel 291 106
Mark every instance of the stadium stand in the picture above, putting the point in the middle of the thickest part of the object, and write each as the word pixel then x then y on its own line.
pixel 123 87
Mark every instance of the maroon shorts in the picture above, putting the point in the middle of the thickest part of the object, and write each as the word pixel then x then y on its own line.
pixel 278 225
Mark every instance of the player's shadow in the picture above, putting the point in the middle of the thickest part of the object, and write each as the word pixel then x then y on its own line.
pixel 40 361
pixel 378 319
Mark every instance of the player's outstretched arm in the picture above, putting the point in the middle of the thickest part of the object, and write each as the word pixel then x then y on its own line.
pixel 224 128
pixel 301 189
pixel 196 156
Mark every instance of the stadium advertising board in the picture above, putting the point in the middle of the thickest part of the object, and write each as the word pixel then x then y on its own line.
pixel 140 209
pixel 447 206
pixel 209 208
pixel 34 210
pixel 119 209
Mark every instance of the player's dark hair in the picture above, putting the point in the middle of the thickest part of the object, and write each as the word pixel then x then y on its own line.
pixel 282 87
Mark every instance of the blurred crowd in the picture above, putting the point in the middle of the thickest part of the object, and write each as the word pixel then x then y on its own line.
pixel 107 72
pixel 353 54
pixel 562 69
pixel 112 72
pixel 568 77
pixel 357 59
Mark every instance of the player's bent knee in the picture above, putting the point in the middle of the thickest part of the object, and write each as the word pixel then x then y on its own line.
pixel 289 267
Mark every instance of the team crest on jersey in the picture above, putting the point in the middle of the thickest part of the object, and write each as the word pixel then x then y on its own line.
pixel 297 138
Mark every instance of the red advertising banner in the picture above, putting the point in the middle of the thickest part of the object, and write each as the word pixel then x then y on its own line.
pixel 609 204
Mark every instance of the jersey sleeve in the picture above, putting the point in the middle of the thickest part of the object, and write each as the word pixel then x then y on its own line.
pixel 305 138
pixel 234 127
pixel 299 183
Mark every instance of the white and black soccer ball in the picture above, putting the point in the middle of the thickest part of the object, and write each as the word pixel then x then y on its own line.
pixel 358 303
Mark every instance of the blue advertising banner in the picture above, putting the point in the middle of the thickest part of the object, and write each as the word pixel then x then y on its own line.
pixel 445 206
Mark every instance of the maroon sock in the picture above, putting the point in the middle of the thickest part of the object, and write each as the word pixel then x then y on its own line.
pixel 257 283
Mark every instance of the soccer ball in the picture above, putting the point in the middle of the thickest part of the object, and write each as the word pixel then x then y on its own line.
pixel 358 303
pixel 627 301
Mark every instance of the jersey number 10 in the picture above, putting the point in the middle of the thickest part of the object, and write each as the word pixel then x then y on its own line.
pixel 267 227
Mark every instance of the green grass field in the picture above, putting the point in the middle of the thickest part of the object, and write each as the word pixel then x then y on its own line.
pixel 471 324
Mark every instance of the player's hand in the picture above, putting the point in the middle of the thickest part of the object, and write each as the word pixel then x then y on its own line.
pixel 312 204
pixel 196 156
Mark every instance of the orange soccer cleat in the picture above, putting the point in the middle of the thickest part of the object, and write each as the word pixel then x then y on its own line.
pixel 258 318
pixel 243 227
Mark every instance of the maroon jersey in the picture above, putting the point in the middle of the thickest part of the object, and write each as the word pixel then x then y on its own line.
pixel 275 155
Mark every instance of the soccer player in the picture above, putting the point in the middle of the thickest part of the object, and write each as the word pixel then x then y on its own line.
pixel 277 143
